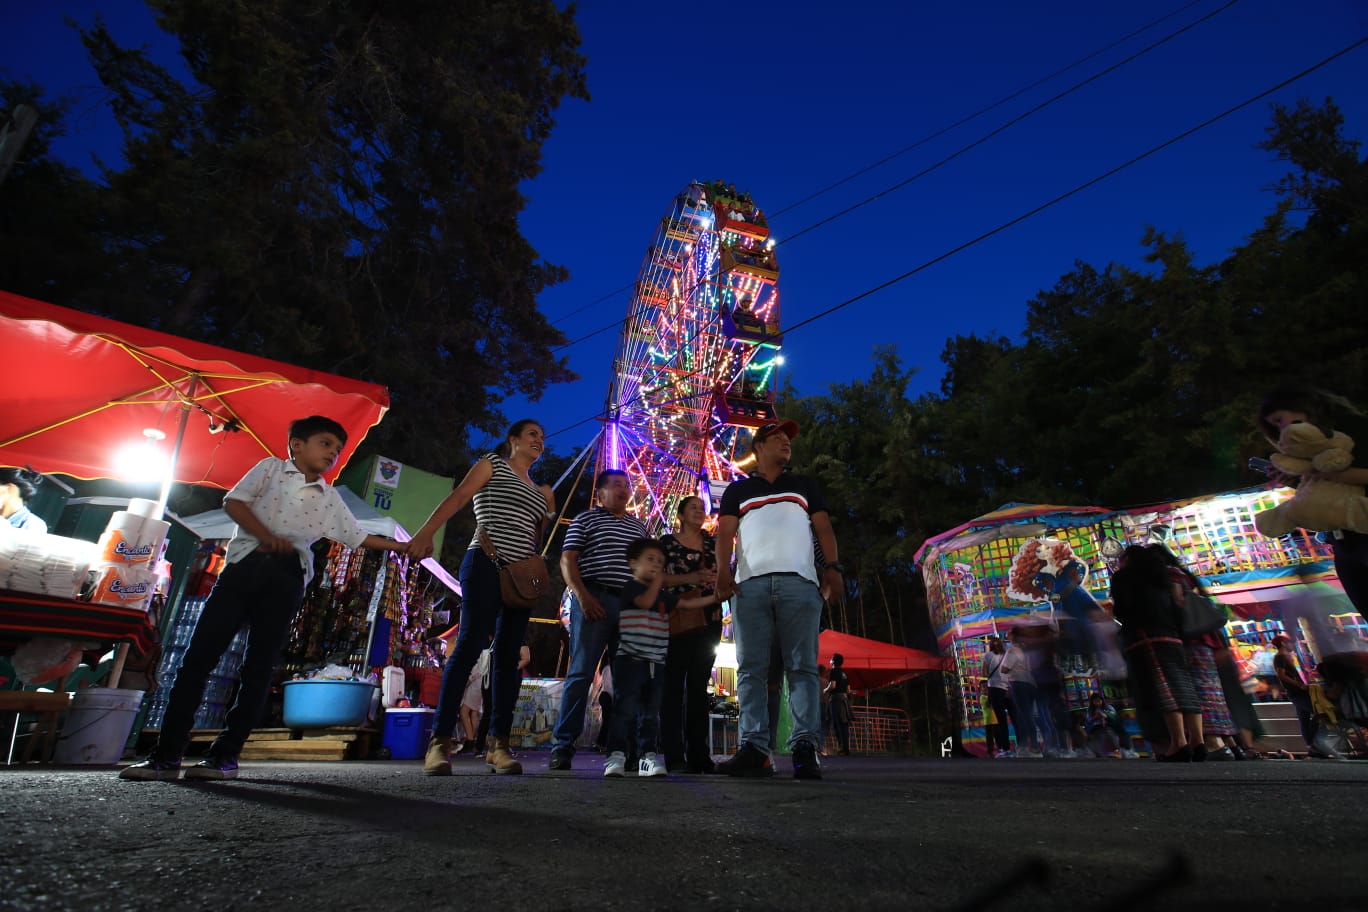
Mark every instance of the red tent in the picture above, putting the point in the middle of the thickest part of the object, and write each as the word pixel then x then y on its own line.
pixel 870 664
pixel 78 388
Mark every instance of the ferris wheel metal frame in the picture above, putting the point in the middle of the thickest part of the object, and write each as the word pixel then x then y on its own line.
pixel 696 364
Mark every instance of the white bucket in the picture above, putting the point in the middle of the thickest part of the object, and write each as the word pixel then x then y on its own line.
pixel 97 726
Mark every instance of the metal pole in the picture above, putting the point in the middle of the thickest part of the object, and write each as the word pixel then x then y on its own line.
pixel 175 450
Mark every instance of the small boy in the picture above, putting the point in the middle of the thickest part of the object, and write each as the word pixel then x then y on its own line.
pixel 281 506
pixel 639 667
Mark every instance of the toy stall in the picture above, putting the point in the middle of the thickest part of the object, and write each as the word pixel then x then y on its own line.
pixel 1042 567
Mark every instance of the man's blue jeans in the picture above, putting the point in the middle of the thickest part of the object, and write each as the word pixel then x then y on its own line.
pixel 791 606
pixel 588 639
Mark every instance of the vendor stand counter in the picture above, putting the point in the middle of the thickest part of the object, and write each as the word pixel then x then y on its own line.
pixel 24 616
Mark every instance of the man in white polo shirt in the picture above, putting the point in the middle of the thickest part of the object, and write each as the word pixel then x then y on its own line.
pixel 771 518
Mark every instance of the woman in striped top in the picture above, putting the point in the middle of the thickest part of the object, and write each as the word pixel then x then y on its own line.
pixel 515 511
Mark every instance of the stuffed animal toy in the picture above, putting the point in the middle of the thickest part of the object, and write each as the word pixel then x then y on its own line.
pixel 1319 504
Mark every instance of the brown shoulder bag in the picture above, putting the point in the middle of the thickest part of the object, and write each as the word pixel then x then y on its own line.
pixel 521 583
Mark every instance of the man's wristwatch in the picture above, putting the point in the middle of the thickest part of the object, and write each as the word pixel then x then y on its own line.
pixel 837 566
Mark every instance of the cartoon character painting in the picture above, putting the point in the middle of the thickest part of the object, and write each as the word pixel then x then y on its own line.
pixel 1048 570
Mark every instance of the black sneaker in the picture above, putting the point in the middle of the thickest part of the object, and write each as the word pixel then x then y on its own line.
pixel 152 769
pixel 805 762
pixel 561 758
pixel 214 768
pixel 749 761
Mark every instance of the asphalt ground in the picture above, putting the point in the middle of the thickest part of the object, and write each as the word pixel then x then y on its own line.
pixel 952 834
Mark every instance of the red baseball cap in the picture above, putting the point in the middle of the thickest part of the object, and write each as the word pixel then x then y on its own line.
pixel 765 431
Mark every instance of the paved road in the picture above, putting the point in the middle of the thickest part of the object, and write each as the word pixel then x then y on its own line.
pixel 885 834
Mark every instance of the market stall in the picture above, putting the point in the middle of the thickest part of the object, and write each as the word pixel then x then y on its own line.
pixel 364 610
pixel 976 585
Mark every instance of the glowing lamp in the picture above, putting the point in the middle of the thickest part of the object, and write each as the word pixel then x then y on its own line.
pixel 143 462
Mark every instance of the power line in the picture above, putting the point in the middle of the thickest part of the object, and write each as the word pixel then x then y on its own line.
pixel 1011 123
pixel 903 151
pixel 984 110
pixel 1078 189
pixel 1043 206
pixel 951 157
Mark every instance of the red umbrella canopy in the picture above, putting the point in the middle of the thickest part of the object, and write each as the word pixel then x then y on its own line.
pixel 81 389
pixel 870 664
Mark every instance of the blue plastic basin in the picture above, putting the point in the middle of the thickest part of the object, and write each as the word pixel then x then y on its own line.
pixel 324 704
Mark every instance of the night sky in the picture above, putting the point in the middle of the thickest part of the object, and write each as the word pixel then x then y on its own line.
pixel 784 99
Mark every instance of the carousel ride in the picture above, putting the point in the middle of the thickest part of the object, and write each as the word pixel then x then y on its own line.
pixel 695 368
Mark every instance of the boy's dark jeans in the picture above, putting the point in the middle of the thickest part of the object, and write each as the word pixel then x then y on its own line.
pixel 263 591
pixel 637 688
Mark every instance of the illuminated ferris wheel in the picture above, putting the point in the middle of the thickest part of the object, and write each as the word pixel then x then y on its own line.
pixel 695 372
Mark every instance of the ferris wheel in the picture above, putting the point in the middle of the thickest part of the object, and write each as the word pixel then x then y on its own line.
pixel 695 368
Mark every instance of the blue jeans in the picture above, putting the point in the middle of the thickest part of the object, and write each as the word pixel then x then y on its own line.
pixel 483 613
pixel 263 591
pixel 637 688
pixel 791 606
pixel 588 639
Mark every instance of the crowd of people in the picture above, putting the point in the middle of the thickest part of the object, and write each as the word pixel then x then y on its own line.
pixel 658 602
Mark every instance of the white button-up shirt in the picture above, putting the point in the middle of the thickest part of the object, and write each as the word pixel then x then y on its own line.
pixel 302 511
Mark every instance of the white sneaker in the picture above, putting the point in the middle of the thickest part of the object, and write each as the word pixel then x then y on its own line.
pixel 615 767
pixel 650 766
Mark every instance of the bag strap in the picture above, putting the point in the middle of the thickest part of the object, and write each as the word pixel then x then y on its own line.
pixel 487 546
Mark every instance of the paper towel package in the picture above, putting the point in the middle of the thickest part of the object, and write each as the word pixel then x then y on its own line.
pixel 132 539
pixel 115 584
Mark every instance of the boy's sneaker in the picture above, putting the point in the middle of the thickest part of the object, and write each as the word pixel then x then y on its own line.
pixel 805 762
pixel 214 768
pixel 560 758
pixel 748 761
pixel 615 767
pixel 651 766
pixel 152 769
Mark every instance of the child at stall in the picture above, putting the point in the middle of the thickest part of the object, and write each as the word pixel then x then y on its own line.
pixel 639 667
pixel 282 507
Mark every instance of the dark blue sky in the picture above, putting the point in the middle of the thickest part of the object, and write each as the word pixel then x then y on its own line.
pixel 783 99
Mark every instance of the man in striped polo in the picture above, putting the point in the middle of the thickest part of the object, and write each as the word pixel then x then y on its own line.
pixel 770 518
pixel 594 564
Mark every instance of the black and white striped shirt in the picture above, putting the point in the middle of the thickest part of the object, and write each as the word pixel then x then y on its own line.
pixel 601 538
pixel 511 509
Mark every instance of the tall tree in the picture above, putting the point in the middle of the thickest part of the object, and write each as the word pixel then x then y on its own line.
pixel 47 248
pixel 337 185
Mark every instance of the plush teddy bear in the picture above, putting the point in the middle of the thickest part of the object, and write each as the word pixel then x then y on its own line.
pixel 1319 504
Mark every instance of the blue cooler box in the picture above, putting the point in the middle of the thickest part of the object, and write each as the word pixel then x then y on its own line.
pixel 407 732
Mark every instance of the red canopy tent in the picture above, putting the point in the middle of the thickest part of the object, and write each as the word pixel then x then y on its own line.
pixel 871 664
pixel 79 387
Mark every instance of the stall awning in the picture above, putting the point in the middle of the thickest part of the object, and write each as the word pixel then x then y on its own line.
pixel 871 664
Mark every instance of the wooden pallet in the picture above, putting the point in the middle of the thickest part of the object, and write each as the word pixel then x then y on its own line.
pixel 339 743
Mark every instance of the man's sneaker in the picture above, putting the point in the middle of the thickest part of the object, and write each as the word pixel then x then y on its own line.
pixel 152 769
pixel 748 761
pixel 214 768
pixel 560 758
pixel 805 762
pixel 615 767
pixel 651 766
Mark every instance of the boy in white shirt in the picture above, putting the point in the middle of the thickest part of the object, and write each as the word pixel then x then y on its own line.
pixel 282 507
